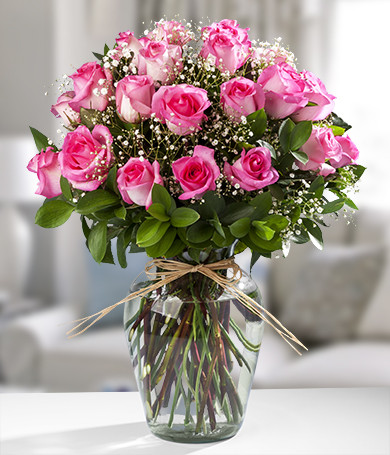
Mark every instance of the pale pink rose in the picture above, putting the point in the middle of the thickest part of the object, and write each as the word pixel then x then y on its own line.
pixel 92 87
pixel 315 92
pixel 226 45
pixel 253 170
pixel 63 110
pixel 160 60
pixel 134 98
pixel 136 179
pixel 241 96
pixel 320 147
pixel 173 32
pixel 349 153
pixel 197 173
pixel 126 42
pixel 284 90
pixel 46 166
pixel 86 157
pixel 181 107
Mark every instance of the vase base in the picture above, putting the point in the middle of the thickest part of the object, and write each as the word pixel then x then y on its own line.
pixel 183 434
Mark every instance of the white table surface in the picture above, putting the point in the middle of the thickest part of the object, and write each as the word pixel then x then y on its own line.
pixel 291 422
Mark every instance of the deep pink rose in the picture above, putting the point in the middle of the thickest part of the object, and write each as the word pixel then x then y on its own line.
pixel 86 157
pixel 253 170
pixel 63 110
pixel 46 166
pixel 320 147
pixel 241 96
pixel 173 32
pixel 197 173
pixel 315 92
pixel 284 90
pixel 181 107
pixel 136 179
pixel 226 44
pixel 134 98
pixel 349 153
pixel 92 87
pixel 160 60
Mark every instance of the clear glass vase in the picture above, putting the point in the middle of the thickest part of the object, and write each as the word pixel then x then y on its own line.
pixel 194 350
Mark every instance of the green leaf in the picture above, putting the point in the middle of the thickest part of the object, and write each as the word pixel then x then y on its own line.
pixel 240 247
pixel 147 230
pixel 300 134
pixel 212 203
pixel 358 170
pixel 96 200
pixel 263 231
pixel 134 248
pixel 98 56
pixel 97 241
pixel 176 248
pixel 90 117
pixel 108 257
pixel 111 182
pixel 267 245
pixel 315 233
pixel 106 49
pixel 65 188
pixel 350 203
pixel 240 228
pixel 156 237
pixel 302 237
pixel 258 123
pixel 199 232
pixel 269 147
pixel 160 195
pixel 121 212
pixel 235 211
pixel 337 130
pixel 263 204
pixel 317 187
pixel 285 131
pixel 86 229
pixel 255 257
pixel 300 156
pixel 41 141
pixel 276 191
pixel 338 121
pixel 183 217
pixel 53 213
pixel 160 249
pixel 333 206
pixel 158 211
pixel 276 222
pixel 217 224
pixel 121 247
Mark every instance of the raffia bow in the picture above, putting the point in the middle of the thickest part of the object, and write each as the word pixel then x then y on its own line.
pixel 168 270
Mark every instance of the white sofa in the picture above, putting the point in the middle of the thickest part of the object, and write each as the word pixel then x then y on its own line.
pixel 354 351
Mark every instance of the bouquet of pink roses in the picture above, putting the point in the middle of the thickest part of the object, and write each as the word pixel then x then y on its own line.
pixel 182 144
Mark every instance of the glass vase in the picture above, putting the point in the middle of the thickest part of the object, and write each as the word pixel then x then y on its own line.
pixel 194 350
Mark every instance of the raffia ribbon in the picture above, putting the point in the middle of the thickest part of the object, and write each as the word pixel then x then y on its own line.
pixel 168 270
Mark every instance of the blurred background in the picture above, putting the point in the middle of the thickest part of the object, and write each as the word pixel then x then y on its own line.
pixel 336 301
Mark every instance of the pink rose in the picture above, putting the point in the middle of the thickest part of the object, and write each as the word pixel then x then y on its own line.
pixel 46 166
pixel 134 98
pixel 160 60
pixel 253 170
pixel 173 32
pixel 197 173
pixel 181 107
pixel 92 87
pixel 349 153
pixel 241 96
pixel 136 179
pixel 86 157
pixel 284 90
pixel 63 110
pixel 315 92
pixel 226 45
pixel 320 147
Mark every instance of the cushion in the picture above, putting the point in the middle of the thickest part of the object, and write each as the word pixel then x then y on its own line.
pixel 331 292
